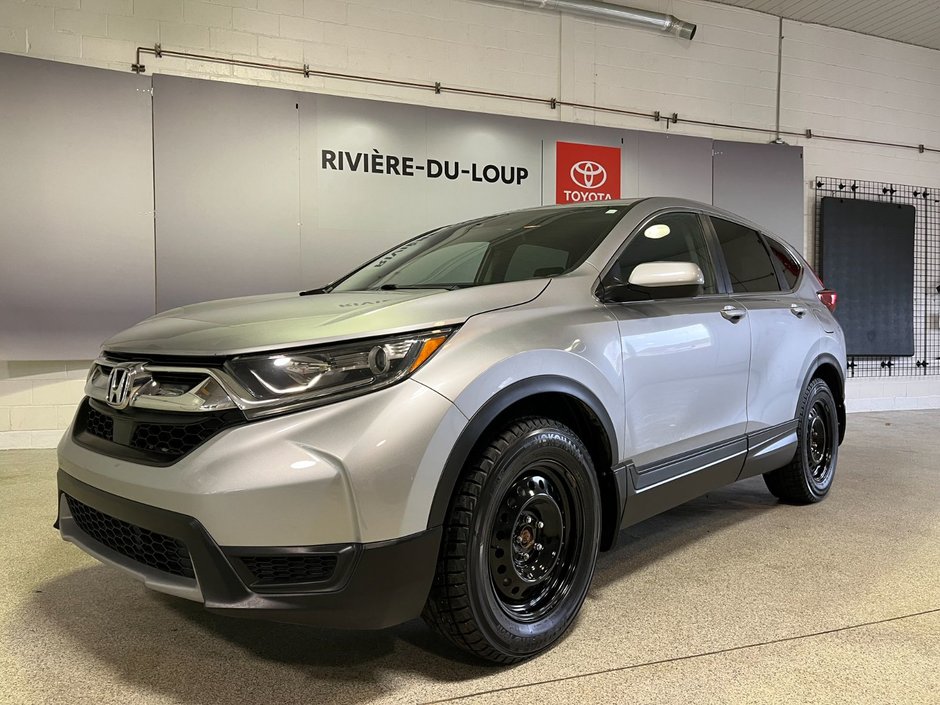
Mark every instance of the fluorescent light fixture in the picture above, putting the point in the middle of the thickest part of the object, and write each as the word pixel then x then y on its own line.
pixel 655 232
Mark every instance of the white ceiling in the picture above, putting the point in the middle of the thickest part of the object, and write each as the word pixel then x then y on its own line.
pixel 910 21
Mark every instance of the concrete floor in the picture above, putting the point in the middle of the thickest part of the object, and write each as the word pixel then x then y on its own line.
pixel 730 598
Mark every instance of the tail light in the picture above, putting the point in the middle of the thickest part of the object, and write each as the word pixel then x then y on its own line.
pixel 828 298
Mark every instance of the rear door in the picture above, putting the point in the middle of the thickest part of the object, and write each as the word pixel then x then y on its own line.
pixel 763 278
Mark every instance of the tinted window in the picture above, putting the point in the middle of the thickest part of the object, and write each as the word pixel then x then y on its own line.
pixel 674 237
pixel 540 242
pixel 748 261
pixel 453 263
pixel 530 261
pixel 790 268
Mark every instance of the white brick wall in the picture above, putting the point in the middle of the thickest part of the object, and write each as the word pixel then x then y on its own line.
pixel 38 400
pixel 833 81
pixel 877 394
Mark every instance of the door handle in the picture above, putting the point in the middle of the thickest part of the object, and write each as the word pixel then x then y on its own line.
pixel 733 314
pixel 797 310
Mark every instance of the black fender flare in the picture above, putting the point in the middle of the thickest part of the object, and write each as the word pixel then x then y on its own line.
pixel 829 359
pixel 488 413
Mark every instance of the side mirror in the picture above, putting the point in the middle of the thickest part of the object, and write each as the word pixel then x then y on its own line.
pixel 663 274
pixel 657 280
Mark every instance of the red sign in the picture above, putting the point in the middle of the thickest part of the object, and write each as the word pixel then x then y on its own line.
pixel 586 172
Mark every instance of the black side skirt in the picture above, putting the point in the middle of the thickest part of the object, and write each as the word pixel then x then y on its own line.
pixel 653 489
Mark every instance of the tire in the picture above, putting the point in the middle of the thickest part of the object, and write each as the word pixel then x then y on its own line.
pixel 808 477
pixel 520 543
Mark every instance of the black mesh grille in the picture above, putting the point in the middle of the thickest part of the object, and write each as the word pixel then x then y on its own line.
pixel 97 424
pixel 174 439
pixel 163 553
pixel 283 570
pixel 148 436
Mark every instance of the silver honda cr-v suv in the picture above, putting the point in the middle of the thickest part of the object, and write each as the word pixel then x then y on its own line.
pixel 456 428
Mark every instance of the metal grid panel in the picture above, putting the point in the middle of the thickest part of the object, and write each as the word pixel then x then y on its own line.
pixel 926 358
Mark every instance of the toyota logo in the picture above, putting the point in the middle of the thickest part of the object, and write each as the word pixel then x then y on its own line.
pixel 588 174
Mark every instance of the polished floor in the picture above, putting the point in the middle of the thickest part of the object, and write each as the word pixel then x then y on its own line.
pixel 732 598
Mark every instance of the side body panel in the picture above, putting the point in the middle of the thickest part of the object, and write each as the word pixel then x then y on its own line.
pixel 782 347
pixel 685 376
pixel 563 333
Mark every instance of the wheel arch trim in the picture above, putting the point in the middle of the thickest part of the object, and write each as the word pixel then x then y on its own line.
pixel 829 360
pixel 491 410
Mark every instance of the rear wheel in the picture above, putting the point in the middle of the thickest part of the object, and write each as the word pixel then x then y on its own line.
pixel 520 543
pixel 808 477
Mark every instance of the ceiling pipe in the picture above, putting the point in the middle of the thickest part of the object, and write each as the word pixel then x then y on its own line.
pixel 597 10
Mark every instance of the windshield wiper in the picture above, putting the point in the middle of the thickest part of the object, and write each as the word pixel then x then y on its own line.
pixel 319 290
pixel 450 287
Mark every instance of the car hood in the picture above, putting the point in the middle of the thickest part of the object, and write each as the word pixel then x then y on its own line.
pixel 257 323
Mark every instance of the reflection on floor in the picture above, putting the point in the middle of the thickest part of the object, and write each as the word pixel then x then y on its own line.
pixel 730 598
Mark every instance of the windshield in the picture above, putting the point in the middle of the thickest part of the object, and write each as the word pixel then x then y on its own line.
pixel 531 244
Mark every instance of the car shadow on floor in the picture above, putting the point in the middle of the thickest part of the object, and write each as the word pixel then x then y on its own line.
pixel 104 625
pixel 657 537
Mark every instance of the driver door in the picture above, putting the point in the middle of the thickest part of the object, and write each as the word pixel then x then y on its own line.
pixel 685 360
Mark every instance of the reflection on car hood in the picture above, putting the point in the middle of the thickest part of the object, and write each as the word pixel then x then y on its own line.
pixel 258 323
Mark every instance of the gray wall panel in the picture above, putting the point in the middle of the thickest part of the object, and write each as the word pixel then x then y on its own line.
pixel 674 165
pixel 226 182
pixel 764 183
pixel 350 215
pixel 245 203
pixel 484 140
pixel 76 207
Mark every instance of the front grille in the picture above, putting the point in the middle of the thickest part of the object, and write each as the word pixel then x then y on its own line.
pixel 174 439
pixel 97 424
pixel 287 570
pixel 157 551
pixel 148 436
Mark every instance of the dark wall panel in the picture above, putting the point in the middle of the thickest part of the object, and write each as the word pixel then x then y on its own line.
pixel 76 207
pixel 868 258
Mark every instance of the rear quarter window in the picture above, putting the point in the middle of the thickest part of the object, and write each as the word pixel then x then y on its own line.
pixel 789 267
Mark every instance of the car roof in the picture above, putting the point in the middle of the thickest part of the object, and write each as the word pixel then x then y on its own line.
pixel 655 203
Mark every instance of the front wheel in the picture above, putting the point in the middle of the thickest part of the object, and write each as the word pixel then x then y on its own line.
pixel 520 543
pixel 808 477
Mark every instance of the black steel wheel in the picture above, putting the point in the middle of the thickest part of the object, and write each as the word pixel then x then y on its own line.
pixel 808 477
pixel 520 543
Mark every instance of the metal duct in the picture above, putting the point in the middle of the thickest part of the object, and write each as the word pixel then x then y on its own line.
pixel 617 13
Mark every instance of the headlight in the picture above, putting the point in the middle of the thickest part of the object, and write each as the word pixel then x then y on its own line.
pixel 330 372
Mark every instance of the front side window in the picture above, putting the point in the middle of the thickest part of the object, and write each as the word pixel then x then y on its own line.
pixel 672 237
pixel 531 244
pixel 748 261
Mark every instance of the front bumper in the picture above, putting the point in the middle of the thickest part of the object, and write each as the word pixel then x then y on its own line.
pixel 363 470
pixel 372 586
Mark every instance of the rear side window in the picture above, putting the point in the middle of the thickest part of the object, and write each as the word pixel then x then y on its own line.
pixel 788 266
pixel 748 261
